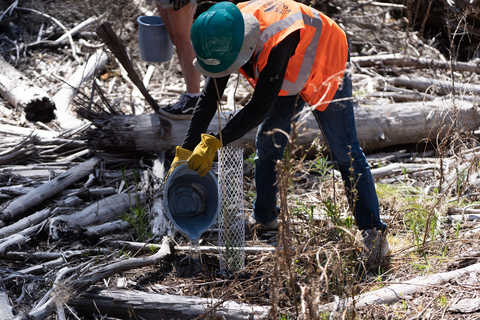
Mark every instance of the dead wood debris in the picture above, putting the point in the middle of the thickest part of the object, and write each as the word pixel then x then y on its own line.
pixel 69 211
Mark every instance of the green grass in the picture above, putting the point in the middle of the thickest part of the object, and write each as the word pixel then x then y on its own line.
pixel 137 215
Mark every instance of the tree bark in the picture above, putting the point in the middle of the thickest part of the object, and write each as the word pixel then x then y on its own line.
pixel 47 190
pixel 105 210
pixel 8 130
pixel 403 61
pixel 5 307
pixel 17 239
pixel 393 293
pixel 436 86
pixel 63 98
pixel 465 306
pixel 119 302
pixel 25 223
pixel 204 249
pixel 378 127
pixel 111 227
pixel 22 94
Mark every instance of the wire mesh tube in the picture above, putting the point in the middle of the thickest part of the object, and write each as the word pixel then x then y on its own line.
pixel 231 218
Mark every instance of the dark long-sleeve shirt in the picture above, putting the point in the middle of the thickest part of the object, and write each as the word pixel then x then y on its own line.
pixel 256 110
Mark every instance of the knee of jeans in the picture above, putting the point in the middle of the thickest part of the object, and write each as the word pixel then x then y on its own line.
pixel 264 165
pixel 350 157
pixel 268 153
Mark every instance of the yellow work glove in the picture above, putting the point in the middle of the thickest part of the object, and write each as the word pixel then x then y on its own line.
pixel 181 156
pixel 202 158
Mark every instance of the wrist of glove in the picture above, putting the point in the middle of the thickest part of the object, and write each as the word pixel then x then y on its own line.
pixel 202 157
pixel 181 156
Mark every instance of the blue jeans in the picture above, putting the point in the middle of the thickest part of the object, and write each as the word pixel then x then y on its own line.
pixel 337 124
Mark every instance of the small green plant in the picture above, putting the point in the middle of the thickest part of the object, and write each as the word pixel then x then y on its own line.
pixel 137 216
pixel 424 268
pixel 325 315
pixel 251 159
pixel 321 166
pixel 138 219
pixel 417 219
pixel 334 215
pixel 404 172
pixel 458 226
pixel 461 181
pixel 298 268
pixel 251 195
pixel 307 211
pixel 442 301
pixel 153 248
pixel 121 250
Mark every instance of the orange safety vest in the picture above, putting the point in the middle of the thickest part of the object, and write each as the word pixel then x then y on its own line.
pixel 320 59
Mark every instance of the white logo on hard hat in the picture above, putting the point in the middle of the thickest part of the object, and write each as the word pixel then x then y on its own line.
pixel 210 62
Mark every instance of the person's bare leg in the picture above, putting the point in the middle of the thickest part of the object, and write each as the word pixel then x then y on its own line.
pixel 178 24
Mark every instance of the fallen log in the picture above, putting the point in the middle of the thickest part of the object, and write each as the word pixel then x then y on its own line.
pixel 35 218
pixel 14 191
pixel 395 168
pixel 105 210
pixel 464 217
pixel 391 294
pixel 19 152
pixel 63 98
pixel 6 129
pixel 47 190
pixel 26 222
pixel 437 86
pixel 79 28
pixel 17 239
pixel 22 94
pixel 5 307
pixel 401 97
pixel 22 256
pixel 106 228
pixel 403 61
pixel 465 306
pixel 129 245
pixel 40 268
pixel 32 173
pixel 151 306
pixel 159 222
pixel 74 287
pixel 378 127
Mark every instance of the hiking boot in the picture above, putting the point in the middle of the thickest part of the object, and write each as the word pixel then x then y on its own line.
pixel 183 107
pixel 376 244
pixel 256 226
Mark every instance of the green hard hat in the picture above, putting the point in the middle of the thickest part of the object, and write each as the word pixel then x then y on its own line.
pixel 217 36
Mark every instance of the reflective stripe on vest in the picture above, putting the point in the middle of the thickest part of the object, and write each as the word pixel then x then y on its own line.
pixel 308 59
pixel 293 88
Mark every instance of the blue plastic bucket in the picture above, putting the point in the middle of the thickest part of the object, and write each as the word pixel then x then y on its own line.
pixel 191 201
pixel 154 44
